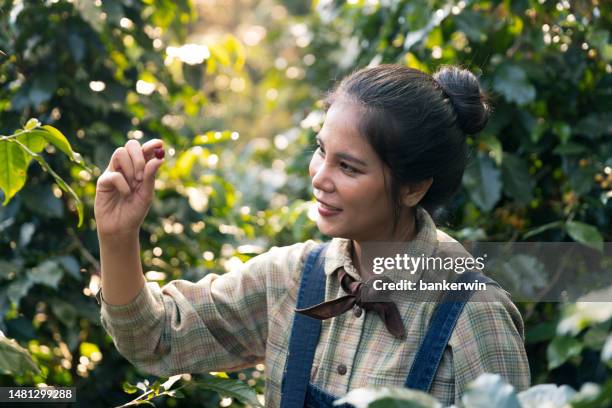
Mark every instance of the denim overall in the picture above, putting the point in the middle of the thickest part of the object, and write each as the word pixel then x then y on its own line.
pixel 299 392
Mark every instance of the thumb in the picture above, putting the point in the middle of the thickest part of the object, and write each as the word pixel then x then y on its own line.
pixel 150 171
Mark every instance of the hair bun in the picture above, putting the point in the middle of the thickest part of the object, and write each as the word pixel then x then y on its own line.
pixel 471 104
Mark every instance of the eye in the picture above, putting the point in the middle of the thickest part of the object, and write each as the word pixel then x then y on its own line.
pixel 348 169
pixel 320 150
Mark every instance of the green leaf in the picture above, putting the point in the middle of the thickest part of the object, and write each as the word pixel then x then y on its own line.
pixel 570 148
pixel 18 288
pixel 184 164
pixel 47 273
pixel 231 388
pixel 563 131
pixel 298 225
pixel 483 182
pixel 156 387
pixel 581 179
pixel 562 349
pixel 34 140
pixel 64 311
pixel 219 54
pixel 129 388
pixel 60 182
pixel 495 147
pixel 538 130
pixel 542 228
pixel 585 234
pixel 594 125
pixel 91 13
pixel 474 25
pixel 413 62
pixel 544 331
pixel 518 183
pixel 25 233
pixel 71 265
pixel 524 274
pixel 59 140
pixel 595 337
pixel 14 359
pixel 416 36
pixel 511 81
pixel 490 390
pixel 13 169
pixel 31 124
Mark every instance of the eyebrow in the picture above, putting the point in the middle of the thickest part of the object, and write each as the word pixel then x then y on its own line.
pixel 345 156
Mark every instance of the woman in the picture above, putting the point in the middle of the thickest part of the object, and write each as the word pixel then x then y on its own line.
pixel 391 151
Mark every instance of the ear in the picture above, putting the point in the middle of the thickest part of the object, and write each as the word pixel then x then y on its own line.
pixel 413 193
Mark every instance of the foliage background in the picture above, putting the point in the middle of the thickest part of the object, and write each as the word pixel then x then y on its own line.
pixel 235 96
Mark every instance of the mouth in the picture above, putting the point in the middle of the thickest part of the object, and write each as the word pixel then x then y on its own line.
pixel 326 210
pixel 328 207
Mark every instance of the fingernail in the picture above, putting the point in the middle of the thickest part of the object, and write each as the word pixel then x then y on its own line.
pixel 139 176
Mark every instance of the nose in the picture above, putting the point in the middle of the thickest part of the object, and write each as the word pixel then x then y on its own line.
pixel 320 175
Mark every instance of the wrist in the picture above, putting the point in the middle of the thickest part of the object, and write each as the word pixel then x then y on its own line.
pixel 119 236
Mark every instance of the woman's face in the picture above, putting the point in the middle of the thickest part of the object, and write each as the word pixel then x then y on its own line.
pixel 348 179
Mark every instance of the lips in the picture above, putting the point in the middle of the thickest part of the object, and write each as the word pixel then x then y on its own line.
pixel 328 207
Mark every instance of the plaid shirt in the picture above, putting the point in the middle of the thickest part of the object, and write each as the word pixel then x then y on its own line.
pixel 241 318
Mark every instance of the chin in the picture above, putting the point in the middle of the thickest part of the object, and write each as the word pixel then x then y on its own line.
pixel 326 228
pixel 330 230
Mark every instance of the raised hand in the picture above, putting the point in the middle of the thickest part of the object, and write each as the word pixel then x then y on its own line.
pixel 124 191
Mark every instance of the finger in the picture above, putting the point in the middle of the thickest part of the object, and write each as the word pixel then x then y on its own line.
pixel 150 170
pixel 113 180
pixel 138 161
pixel 121 162
pixel 148 148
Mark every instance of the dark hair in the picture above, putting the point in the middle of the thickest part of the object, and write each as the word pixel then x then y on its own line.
pixel 417 124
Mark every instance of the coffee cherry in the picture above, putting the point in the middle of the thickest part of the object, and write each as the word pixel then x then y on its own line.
pixel 159 152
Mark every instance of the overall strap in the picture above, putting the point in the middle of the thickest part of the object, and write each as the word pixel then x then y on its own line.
pixel 441 326
pixel 304 332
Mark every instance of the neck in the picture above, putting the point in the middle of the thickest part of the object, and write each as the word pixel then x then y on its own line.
pixel 406 231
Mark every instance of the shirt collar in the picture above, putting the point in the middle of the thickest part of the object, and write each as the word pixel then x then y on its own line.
pixel 424 243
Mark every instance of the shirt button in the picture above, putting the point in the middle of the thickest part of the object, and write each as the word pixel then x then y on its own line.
pixel 341 369
pixel 357 311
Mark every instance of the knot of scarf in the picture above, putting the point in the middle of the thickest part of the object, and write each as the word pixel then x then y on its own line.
pixel 387 311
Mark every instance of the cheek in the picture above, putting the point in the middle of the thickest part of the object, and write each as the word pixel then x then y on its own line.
pixel 370 197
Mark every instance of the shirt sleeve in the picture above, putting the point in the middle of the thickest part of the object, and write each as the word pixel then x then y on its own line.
pixel 219 323
pixel 489 338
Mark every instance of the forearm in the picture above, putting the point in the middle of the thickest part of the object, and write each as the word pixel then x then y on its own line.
pixel 167 331
pixel 122 277
pixel 219 323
